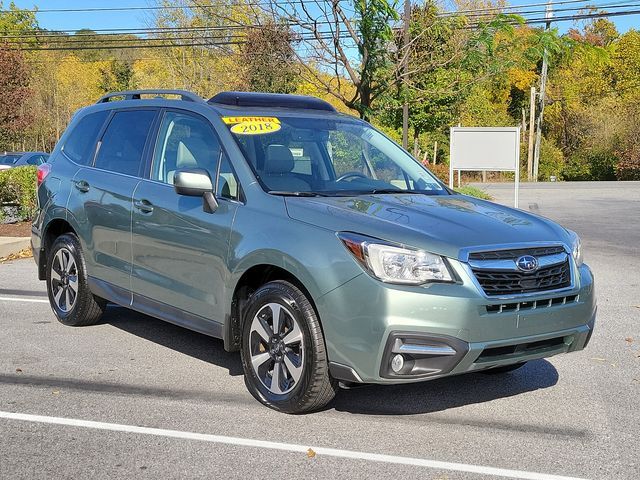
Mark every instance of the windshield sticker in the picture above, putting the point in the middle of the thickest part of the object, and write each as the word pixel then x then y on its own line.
pixel 234 120
pixel 256 126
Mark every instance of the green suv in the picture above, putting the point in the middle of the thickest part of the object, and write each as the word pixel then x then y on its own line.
pixel 302 237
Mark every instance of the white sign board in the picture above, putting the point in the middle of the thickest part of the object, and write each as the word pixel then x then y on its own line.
pixel 485 149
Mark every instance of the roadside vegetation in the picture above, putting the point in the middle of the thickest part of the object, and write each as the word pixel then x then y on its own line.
pixel 474 192
pixel 18 193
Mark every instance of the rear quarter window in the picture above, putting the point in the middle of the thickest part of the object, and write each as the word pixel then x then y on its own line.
pixel 123 141
pixel 80 144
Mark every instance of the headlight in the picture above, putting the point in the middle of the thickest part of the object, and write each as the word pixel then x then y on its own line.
pixel 395 264
pixel 576 247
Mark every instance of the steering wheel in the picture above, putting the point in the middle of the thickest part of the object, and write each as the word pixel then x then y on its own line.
pixel 349 175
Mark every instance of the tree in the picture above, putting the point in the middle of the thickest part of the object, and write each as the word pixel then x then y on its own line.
pixel 15 21
pixel 350 39
pixel 268 59
pixel 204 38
pixel 14 85
pixel 599 31
pixel 447 61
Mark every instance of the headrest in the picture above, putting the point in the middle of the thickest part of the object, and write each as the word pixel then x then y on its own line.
pixel 193 152
pixel 279 159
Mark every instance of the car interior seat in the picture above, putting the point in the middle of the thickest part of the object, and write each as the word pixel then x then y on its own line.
pixel 277 172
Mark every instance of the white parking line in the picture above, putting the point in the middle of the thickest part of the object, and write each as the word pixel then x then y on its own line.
pixel 288 447
pixel 26 300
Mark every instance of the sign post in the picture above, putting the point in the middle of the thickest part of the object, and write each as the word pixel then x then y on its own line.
pixel 495 149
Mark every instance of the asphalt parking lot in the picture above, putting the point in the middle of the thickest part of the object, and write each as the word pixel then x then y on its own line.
pixel 72 400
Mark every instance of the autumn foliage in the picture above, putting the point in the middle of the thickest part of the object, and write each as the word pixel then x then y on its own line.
pixel 14 94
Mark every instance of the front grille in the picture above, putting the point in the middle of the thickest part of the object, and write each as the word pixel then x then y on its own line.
pixel 515 253
pixel 497 273
pixel 531 305
pixel 494 353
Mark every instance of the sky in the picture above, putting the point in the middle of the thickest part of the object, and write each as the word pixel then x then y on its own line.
pixel 137 19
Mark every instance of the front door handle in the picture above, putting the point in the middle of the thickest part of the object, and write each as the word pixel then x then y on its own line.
pixel 144 206
pixel 82 185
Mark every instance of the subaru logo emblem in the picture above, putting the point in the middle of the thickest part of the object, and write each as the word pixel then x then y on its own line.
pixel 527 264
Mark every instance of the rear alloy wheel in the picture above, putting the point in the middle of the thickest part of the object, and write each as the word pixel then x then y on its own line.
pixel 283 352
pixel 64 280
pixel 69 294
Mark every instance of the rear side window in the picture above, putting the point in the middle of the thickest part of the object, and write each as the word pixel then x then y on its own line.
pixel 36 160
pixel 123 142
pixel 80 144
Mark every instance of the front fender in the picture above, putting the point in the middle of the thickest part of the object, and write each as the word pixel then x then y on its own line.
pixel 313 255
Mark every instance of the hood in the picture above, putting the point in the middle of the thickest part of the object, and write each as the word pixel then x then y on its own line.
pixel 442 224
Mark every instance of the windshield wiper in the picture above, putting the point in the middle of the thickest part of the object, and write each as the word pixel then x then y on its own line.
pixel 285 193
pixel 387 190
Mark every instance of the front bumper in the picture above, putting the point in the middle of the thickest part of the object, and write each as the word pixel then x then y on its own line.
pixel 363 319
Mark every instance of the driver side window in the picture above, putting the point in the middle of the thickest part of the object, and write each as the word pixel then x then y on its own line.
pixel 184 141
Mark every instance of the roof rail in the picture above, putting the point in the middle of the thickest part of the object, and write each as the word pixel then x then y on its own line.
pixel 136 95
pixel 255 99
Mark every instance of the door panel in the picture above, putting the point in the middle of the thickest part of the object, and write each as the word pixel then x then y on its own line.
pixel 101 204
pixel 179 251
pixel 102 195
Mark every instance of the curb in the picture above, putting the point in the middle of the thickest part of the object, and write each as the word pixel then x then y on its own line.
pixel 9 245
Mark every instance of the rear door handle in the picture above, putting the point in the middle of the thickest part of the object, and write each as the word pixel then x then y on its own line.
pixel 82 185
pixel 144 206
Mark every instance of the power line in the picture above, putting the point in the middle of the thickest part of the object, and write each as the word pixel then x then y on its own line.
pixel 169 30
pixel 144 43
pixel 153 30
pixel 247 4
pixel 566 9
pixel 63 43
pixel 139 31
pixel 533 21
pixel 515 7
pixel 294 2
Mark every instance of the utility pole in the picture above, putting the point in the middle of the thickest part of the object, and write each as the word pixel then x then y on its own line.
pixel 532 120
pixel 405 61
pixel 543 85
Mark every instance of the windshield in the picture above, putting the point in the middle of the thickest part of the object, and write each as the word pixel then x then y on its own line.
pixel 9 159
pixel 312 156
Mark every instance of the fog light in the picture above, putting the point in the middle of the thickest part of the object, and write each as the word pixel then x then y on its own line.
pixel 397 362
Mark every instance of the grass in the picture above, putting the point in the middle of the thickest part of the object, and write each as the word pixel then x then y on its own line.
pixel 474 192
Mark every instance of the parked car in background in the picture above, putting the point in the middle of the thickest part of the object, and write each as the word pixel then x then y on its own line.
pixel 20 159
pixel 304 238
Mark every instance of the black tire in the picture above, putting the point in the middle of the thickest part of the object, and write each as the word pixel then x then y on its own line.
pixel 503 369
pixel 315 387
pixel 86 309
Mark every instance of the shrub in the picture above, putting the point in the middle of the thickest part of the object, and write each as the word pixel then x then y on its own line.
pixel 474 192
pixel 594 165
pixel 576 169
pixel 18 187
pixel 441 171
pixel 628 170
pixel 603 165
pixel 551 160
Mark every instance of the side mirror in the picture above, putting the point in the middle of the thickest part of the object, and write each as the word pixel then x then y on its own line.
pixel 196 182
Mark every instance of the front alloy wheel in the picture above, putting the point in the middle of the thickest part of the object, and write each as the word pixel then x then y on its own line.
pixel 283 352
pixel 277 348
